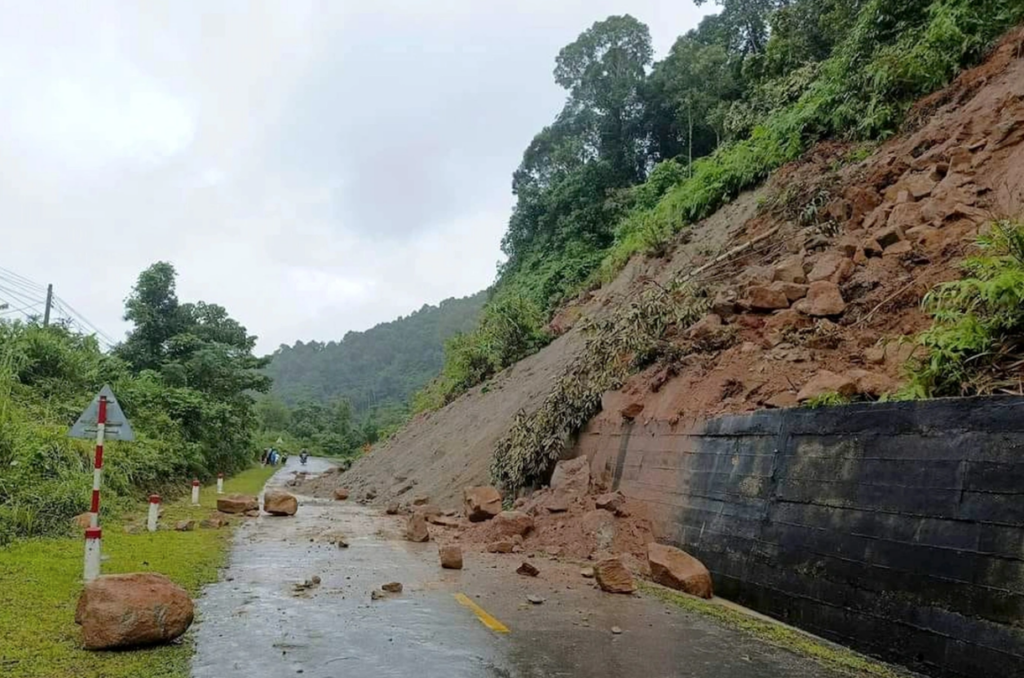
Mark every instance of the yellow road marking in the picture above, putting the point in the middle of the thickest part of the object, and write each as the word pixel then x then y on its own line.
pixel 485 619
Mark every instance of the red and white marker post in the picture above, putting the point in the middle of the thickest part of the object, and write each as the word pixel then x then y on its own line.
pixel 154 512
pixel 195 492
pixel 102 419
pixel 220 483
pixel 94 535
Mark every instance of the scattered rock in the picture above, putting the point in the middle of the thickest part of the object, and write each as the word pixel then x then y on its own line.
pixel 392 509
pixel 872 383
pixel 451 557
pixel 632 410
pixel 786 319
pixel 782 400
pixel 503 546
pixel 213 523
pixel 764 298
pixel 899 249
pixel 793 291
pixel 535 599
pixel 587 573
pixel 237 503
pixel 572 476
pixel 253 513
pixel 889 236
pixel 872 248
pixel 511 523
pixel 420 501
pixel 131 610
pixel 823 299
pixel 416 529
pixel 377 595
pixel 724 304
pixel 527 569
pixel 831 266
pixel 428 510
pixel 920 185
pixel 614 502
pixel 392 587
pixel 184 526
pixel 481 503
pixel 279 503
pixel 442 520
pixel 790 270
pixel 616 630
pixel 827 382
pixel 557 503
pixel 678 570
pixel 340 494
pixel 613 577
pixel 709 330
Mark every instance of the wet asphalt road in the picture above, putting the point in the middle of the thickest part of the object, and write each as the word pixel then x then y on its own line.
pixel 253 624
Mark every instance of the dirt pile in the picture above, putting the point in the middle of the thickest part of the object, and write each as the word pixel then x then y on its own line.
pixel 814 279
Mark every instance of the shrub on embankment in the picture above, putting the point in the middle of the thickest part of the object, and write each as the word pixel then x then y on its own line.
pixel 183 376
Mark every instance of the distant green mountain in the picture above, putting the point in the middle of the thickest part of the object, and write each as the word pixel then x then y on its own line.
pixel 378 368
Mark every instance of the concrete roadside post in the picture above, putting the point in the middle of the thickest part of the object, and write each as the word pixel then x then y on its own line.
pixel 220 483
pixel 154 512
pixel 102 419
pixel 195 492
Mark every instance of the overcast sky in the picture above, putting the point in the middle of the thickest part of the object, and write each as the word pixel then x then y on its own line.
pixel 315 167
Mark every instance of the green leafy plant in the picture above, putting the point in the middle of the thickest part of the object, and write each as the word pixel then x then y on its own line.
pixel 976 342
pixel 831 399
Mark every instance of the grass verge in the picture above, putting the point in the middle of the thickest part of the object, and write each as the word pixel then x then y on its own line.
pixel 40 580
pixel 830 655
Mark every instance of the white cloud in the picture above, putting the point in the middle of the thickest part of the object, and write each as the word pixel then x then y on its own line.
pixel 314 167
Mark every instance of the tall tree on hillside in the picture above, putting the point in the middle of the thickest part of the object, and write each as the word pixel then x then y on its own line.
pixel 153 309
pixel 604 70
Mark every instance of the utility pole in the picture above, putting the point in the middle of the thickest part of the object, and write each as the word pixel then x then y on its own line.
pixel 49 303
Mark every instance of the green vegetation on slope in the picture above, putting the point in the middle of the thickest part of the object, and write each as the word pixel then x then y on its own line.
pixel 336 397
pixel 637 153
pixel 976 343
pixel 184 376
pixel 42 580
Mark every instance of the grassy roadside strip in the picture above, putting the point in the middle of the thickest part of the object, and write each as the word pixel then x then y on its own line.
pixel 830 655
pixel 40 580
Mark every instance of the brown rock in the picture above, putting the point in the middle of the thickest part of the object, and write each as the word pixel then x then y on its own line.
pixel 237 503
pixel 788 319
pixel 613 577
pixel 840 210
pixel 572 476
pixel 678 570
pixel 557 503
pixel 862 200
pixel 823 299
pixel 451 556
pixel 511 523
pixel 903 217
pixel 213 523
pixel 82 521
pixel 632 410
pixel 878 217
pixel 793 291
pixel 184 526
pixel 889 236
pixel 278 503
pixel 920 185
pixel 898 249
pixel 782 400
pixel 442 520
pixel 872 383
pixel 825 382
pixel 392 508
pixel 527 569
pixel 614 502
pixel 392 587
pixel 420 501
pixel 131 610
pixel 705 328
pixel 481 503
pixel 791 270
pixel 503 546
pixel 340 493
pixel 428 510
pixel 764 298
pixel 724 304
pixel 587 573
pixel 872 248
pixel 416 529
pixel 829 266
pixel 960 160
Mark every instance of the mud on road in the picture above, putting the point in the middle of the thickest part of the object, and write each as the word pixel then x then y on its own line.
pixel 261 620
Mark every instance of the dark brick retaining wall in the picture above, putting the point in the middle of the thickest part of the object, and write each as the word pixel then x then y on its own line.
pixel 896 529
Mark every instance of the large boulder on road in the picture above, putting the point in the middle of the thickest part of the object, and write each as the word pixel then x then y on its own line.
pixel 481 503
pixel 614 577
pixel 237 503
pixel 511 523
pixel 416 529
pixel 279 503
pixel 132 610
pixel 678 570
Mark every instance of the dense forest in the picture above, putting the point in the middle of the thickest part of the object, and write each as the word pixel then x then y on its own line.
pixel 185 376
pixel 338 396
pixel 643 148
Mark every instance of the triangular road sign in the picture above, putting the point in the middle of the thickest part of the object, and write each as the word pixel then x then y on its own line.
pixel 118 426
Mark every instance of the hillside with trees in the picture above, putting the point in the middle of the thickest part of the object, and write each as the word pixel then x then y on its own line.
pixel 642 149
pixel 185 376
